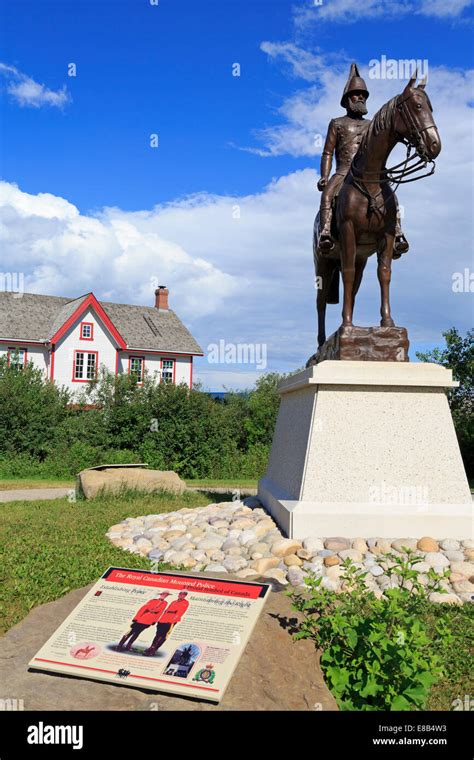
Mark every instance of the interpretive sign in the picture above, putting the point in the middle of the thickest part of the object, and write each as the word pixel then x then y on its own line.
pixel 182 634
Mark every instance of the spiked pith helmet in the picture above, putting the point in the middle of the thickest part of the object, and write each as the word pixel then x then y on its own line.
pixel 354 82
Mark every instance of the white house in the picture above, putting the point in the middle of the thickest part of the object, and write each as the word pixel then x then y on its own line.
pixel 70 339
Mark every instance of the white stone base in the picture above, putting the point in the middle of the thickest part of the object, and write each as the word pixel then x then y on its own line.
pixel 367 449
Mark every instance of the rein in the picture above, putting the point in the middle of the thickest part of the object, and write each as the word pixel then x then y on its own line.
pixel 395 175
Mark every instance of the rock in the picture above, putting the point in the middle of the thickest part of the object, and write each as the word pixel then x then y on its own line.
pixel 469 554
pixel 466 597
pixel 210 542
pixel 277 574
pixel 261 529
pixel 376 571
pixel 214 567
pixel 440 598
pixel 337 544
pixel 405 543
pixel 382 546
pixel 172 535
pixel 284 547
pixel 450 545
pixel 116 479
pixel 464 586
pixel 247 537
pixel 333 560
pixel 313 545
pixel 264 564
pixel 436 559
pixel 242 524
pixel 326 553
pixel 351 554
pixel 360 545
pixel 231 543
pixel 421 567
pixel 466 569
pixel 468 543
pixel 216 555
pixel 427 544
pixel 246 573
pixel 259 547
pixel 296 576
pixel 236 551
pixel 455 556
pixel 304 554
pixel 157 555
pixel 335 572
pixel 232 564
pixel 199 555
pixel 292 560
pixel 329 584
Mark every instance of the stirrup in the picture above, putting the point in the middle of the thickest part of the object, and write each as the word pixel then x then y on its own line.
pixel 401 245
pixel 326 243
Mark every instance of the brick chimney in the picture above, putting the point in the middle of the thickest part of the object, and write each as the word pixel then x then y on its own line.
pixel 161 298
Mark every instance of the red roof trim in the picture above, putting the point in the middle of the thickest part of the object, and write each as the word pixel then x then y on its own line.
pixel 92 301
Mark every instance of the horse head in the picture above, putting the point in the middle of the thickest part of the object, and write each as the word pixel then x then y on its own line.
pixel 415 124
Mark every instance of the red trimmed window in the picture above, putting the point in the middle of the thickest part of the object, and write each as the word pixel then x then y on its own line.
pixel 16 357
pixel 136 367
pixel 167 370
pixel 87 331
pixel 85 366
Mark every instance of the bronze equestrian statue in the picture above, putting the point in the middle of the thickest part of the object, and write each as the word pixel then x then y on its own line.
pixel 344 137
pixel 364 221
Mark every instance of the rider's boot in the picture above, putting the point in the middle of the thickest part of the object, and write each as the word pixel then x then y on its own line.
pixel 326 243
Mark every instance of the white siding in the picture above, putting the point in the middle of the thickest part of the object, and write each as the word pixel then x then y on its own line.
pixel 37 354
pixel 102 343
pixel 182 371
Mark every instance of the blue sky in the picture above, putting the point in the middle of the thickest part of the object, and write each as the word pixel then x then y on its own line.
pixel 131 213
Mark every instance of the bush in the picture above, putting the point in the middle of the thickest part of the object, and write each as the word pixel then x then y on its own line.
pixel 115 420
pixel 458 355
pixel 378 653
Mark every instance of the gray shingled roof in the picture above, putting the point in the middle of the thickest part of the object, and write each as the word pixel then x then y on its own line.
pixel 37 318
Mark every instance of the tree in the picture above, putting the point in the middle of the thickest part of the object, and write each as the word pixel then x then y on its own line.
pixel 458 355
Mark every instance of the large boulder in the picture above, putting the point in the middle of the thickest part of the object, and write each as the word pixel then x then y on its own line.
pixel 115 479
pixel 274 673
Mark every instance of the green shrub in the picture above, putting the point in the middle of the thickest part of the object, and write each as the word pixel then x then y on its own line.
pixel 378 653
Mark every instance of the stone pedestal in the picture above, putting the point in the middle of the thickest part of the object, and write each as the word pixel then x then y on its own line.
pixel 379 344
pixel 367 449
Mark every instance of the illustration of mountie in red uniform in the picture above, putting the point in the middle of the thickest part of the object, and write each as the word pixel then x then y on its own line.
pixel 146 616
pixel 171 617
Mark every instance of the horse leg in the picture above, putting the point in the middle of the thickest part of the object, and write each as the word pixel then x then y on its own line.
pixel 359 271
pixel 384 274
pixel 324 273
pixel 348 256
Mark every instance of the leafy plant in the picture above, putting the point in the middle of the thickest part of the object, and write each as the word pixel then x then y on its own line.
pixel 377 652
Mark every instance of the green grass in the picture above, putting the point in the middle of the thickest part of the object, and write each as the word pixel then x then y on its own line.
pixel 17 483
pixel 14 483
pixel 48 548
pixel 458 656
pixel 230 483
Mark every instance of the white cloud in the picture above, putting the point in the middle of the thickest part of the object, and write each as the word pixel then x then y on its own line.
pixel 26 92
pixel 247 280
pixel 349 11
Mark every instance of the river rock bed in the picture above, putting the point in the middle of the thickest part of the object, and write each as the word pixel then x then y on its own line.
pixel 241 538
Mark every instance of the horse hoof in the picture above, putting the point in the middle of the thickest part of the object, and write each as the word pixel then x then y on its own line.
pixel 387 323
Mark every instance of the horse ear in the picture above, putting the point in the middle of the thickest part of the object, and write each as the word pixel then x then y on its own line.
pixel 411 82
pixel 423 83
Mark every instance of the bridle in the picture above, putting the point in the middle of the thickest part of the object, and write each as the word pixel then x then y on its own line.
pixel 397 175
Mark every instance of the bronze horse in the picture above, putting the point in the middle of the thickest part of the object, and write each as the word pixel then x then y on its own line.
pixel 365 214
